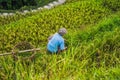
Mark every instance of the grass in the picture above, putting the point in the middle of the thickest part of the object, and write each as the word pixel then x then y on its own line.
pixel 88 58
pixel 40 3
pixel 70 16
pixel 93 54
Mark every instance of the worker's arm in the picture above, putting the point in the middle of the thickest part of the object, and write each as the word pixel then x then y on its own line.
pixel 61 47
pixel 59 50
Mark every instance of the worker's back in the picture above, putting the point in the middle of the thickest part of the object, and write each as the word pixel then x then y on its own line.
pixel 55 42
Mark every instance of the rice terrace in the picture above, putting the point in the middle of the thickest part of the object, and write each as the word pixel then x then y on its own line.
pixel 89 50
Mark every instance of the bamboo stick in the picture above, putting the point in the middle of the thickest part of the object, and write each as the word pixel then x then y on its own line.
pixel 29 50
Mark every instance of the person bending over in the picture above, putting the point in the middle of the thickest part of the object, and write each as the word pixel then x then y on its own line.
pixel 56 42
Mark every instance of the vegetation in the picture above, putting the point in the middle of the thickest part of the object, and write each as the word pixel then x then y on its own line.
pixel 17 4
pixel 36 28
pixel 93 42
pixel 114 5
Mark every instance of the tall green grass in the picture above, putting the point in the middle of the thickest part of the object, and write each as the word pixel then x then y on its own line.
pixel 35 29
pixel 92 54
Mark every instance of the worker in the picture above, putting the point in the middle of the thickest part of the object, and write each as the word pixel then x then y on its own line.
pixel 56 42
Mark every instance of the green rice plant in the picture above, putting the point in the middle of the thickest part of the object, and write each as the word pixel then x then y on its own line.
pixel 93 54
pixel 36 28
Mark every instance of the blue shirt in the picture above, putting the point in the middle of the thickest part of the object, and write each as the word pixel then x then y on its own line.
pixel 55 42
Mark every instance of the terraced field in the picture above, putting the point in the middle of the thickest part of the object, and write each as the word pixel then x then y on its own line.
pixel 93 42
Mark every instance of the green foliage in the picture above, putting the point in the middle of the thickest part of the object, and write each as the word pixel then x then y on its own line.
pixel 104 26
pixel 92 53
pixel 70 1
pixel 80 13
pixel 44 2
pixel 37 28
pixel 4 20
pixel 17 4
pixel 114 5
pixel 94 58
